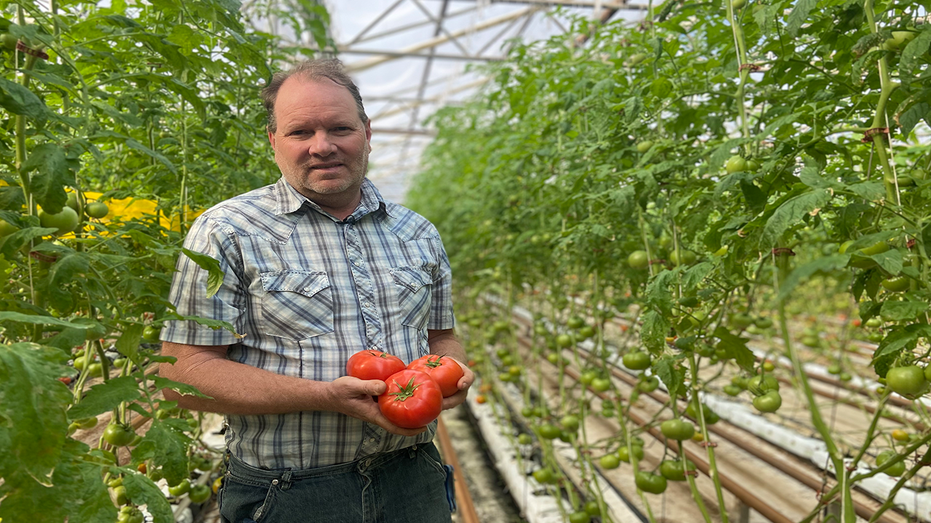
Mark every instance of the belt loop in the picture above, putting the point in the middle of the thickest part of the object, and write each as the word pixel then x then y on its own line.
pixel 286 480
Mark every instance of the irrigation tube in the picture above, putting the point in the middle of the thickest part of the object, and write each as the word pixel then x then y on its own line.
pixel 535 505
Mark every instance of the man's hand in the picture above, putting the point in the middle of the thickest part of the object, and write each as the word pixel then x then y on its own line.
pixel 464 383
pixel 353 397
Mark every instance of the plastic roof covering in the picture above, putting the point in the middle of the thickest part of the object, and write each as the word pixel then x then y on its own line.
pixel 387 46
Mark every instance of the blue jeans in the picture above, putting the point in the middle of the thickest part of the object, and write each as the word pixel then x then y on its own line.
pixel 404 486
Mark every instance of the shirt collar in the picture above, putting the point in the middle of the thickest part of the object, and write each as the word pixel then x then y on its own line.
pixel 289 200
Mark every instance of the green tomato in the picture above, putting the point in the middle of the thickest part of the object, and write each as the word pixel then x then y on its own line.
pixel 65 221
pixel 549 431
pixel 545 476
pixel 672 470
pixel 677 429
pixel 688 257
pixel 907 381
pixel 118 435
pixel 7 228
pixel 580 517
pixel 199 493
pixel 735 164
pixel 769 402
pixel 570 422
pixel 644 146
pixel 648 384
pixel 762 383
pixel 738 4
pixel 637 360
pixel 638 260
pixel 650 482
pixel 894 470
pixel 181 488
pixel 896 284
pixel 151 333
pixel 624 453
pixel 97 210
pixel 609 461
pixel 732 390
pixel 601 384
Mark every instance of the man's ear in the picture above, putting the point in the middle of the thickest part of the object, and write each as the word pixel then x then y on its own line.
pixel 271 139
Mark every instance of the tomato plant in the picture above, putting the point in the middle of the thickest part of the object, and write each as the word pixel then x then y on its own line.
pixel 412 399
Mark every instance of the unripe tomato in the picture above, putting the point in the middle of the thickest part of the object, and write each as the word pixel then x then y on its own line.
pixel 687 257
pixel 609 461
pixel 650 482
pixel 638 260
pixel 677 429
pixel 637 360
pixel 151 333
pixel 181 488
pixel 894 470
pixel 735 164
pixel 769 402
pixel 7 228
pixel 65 221
pixel 118 435
pixel 907 381
pixel 644 146
pixel 199 493
pixel 97 210
pixel 624 453
pixel 900 435
pixel 896 284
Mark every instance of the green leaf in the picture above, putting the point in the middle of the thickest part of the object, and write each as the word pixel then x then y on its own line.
pixel 40 320
pixel 75 493
pixel 133 144
pixel 143 491
pixel 799 15
pixel 165 443
pixel 890 261
pixel 33 424
pixel 790 213
pixel 54 171
pixel 825 265
pixel 20 100
pixel 897 340
pixel 106 396
pixel 653 332
pixel 735 347
pixel 65 270
pixel 128 343
pixel 665 368
pixel 912 53
pixel 902 310
pixel 212 266
pixel 180 388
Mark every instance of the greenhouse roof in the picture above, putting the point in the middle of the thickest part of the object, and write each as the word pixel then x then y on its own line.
pixel 411 57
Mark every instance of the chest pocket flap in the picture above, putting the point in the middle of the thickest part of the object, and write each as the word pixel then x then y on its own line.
pixel 297 304
pixel 413 287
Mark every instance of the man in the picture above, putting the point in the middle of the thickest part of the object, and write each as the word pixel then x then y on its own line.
pixel 317 267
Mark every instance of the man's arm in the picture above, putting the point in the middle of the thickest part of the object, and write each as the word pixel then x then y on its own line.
pixel 235 388
pixel 445 343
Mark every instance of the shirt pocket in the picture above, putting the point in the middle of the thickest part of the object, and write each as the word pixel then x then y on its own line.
pixel 297 304
pixel 413 286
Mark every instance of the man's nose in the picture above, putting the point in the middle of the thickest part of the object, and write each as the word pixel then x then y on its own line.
pixel 321 145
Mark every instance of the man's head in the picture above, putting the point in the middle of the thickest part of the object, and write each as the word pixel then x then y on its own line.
pixel 316 70
pixel 320 134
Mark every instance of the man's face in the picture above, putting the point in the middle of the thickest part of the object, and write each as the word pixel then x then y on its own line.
pixel 320 144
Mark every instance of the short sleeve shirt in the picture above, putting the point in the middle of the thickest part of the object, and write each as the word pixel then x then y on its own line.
pixel 304 291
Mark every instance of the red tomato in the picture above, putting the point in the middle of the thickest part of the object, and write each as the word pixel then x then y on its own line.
pixel 445 371
pixel 373 365
pixel 411 400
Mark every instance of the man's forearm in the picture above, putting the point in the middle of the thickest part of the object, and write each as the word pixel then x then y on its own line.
pixel 236 388
pixel 445 343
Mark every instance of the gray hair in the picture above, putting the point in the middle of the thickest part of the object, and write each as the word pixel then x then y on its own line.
pixel 315 70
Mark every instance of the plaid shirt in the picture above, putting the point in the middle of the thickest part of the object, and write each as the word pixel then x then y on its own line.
pixel 307 291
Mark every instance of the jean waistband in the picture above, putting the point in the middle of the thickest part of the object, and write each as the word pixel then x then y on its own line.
pixel 241 469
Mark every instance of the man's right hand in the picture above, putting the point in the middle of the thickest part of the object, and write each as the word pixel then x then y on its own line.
pixel 353 397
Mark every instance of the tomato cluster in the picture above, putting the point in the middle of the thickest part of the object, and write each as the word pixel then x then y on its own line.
pixel 414 394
